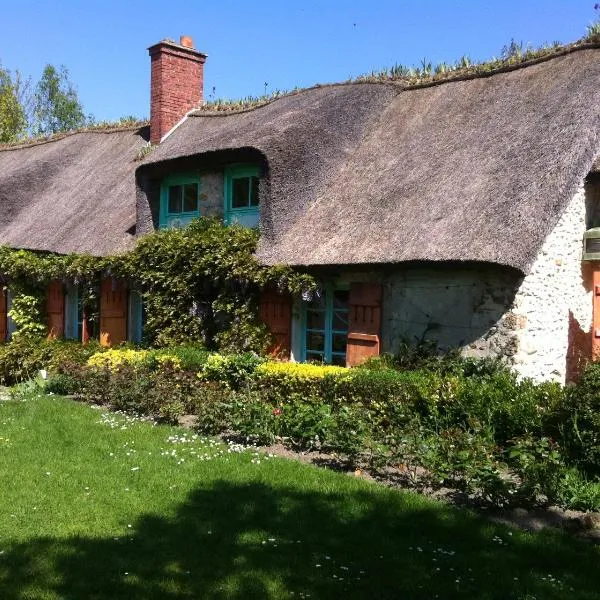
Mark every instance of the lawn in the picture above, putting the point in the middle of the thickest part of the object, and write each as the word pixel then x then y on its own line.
pixel 98 505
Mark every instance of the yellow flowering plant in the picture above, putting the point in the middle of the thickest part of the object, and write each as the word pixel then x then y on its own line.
pixel 300 370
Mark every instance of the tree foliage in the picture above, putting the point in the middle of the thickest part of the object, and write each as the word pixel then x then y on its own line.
pixel 13 122
pixel 56 106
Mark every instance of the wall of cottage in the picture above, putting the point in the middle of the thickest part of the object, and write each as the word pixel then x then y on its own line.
pixel 454 306
pixel 553 305
pixel 540 323
pixel 212 194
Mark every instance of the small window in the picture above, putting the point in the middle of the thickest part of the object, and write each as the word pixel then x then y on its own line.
pixel 325 327
pixel 244 192
pixel 179 201
pixel 241 196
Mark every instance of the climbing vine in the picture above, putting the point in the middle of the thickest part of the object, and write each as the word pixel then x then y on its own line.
pixel 27 311
pixel 201 283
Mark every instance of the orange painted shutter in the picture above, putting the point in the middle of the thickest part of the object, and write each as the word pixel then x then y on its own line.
pixel 276 314
pixel 364 322
pixel 2 315
pixel 55 309
pixel 113 312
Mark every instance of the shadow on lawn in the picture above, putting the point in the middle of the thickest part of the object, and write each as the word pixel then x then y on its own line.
pixel 255 541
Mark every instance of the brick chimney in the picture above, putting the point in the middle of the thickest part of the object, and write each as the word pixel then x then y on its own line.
pixel 176 83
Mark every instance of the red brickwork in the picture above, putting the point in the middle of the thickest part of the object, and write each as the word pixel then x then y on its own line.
pixel 176 83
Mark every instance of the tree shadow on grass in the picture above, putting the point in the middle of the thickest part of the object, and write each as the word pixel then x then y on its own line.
pixel 252 540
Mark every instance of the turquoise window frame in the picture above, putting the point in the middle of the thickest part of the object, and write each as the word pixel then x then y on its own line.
pixel 328 331
pixel 249 216
pixel 165 216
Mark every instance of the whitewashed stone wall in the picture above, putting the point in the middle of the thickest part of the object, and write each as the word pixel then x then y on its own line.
pixel 555 292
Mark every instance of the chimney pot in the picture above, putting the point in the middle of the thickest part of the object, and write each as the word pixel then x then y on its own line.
pixel 187 41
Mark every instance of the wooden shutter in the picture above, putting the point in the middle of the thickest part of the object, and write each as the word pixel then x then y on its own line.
pixel 364 322
pixel 276 314
pixel 2 315
pixel 55 309
pixel 113 312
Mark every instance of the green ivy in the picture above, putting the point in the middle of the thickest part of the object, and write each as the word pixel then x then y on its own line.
pixel 200 283
pixel 27 312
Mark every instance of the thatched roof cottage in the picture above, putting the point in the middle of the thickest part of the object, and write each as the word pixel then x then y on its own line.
pixel 452 210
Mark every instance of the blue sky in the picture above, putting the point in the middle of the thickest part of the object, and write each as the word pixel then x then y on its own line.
pixel 284 43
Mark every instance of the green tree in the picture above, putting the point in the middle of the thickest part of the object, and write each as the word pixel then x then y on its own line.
pixel 13 122
pixel 56 106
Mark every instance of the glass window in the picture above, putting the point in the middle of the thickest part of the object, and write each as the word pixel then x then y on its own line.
pixel 326 327
pixel 240 192
pixel 174 199
pixel 242 195
pixel 190 197
pixel 253 191
pixel 183 198
pixel 179 200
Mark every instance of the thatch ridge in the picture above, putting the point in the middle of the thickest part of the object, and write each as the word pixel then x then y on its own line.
pixel 474 71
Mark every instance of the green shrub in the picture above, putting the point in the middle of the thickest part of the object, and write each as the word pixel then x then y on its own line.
pixel 211 403
pixel 349 434
pixel 22 358
pixel 253 418
pixel 303 424
pixel 233 370
pixel 500 402
pixel 90 384
pixel 578 492
pixel 191 357
pixel 576 421
pixel 539 464
pixel 62 384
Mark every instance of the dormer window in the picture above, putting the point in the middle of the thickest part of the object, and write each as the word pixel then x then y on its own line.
pixel 179 201
pixel 241 196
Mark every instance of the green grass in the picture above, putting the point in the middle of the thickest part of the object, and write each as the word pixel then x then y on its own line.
pixel 102 506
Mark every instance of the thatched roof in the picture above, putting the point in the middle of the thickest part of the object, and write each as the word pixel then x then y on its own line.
pixel 473 170
pixel 73 193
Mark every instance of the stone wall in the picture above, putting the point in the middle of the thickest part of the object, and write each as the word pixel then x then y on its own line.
pixel 553 305
pixel 455 306
pixel 211 194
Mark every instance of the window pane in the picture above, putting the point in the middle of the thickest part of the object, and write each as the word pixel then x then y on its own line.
pixel 315 341
pixel 190 197
pixel 318 302
pixel 254 191
pixel 338 342
pixel 339 360
pixel 315 319
pixel 174 199
pixel 240 192
pixel 340 299
pixel 340 320
pixel 314 357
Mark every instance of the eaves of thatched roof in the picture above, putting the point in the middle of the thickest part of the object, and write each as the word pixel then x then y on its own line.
pixel 72 193
pixel 476 169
